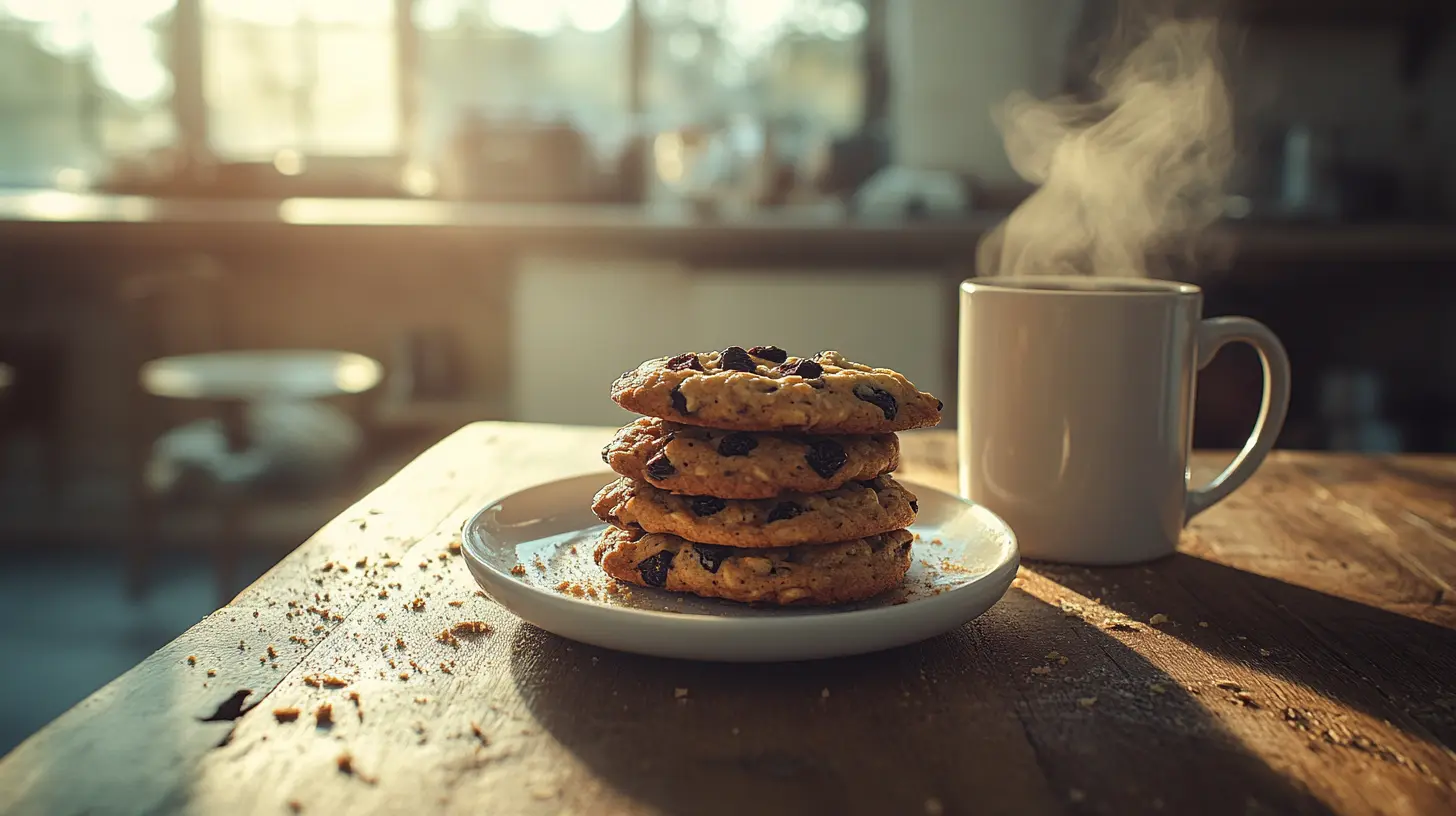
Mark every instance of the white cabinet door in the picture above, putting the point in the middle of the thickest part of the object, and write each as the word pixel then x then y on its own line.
pixel 579 323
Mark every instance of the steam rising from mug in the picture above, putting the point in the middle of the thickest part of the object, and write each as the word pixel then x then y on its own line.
pixel 1138 172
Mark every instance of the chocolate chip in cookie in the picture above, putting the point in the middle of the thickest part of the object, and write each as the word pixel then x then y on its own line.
pixel 737 444
pixel 734 358
pixel 914 506
pixel 878 397
pixel 808 369
pixel 685 362
pixel 653 568
pixel 660 467
pixel 679 402
pixel 826 457
pixel 773 354
pixel 712 556
pixel 783 511
pixel 707 505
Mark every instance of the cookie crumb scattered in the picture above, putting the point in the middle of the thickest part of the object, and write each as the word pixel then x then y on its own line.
pixel 453 546
pixel 478 731
pixel 286 713
pixel 1264 653
pixel 1203 624
pixel 1157 688
pixel 272 652
pixel 933 807
pixel 824 695
pixel 192 660
pixel 324 714
pixel 680 693
pixel 329 680
pixel 456 603
pixel 518 570
pixel 421 700
pixel 417 605
pixel 1157 619
pixel 1086 702
pixel 1041 670
pixel 295 805
pixel 212 672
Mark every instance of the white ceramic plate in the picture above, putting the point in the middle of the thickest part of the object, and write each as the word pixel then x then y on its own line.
pixel 962 563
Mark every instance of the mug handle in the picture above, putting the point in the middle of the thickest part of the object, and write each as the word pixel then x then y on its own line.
pixel 1213 334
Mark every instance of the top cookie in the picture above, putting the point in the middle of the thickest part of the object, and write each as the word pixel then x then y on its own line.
pixel 764 389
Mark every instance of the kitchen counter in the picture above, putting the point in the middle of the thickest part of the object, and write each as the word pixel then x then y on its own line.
pixel 796 235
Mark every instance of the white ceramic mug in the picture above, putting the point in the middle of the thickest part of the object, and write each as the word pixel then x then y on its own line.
pixel 1076 410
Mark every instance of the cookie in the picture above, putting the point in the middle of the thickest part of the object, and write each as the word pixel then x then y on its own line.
pixel 853 510
pixel 763 389
pixel 743 464
pixel 820 574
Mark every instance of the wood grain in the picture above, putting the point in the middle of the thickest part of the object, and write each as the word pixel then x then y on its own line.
pixel 1302 663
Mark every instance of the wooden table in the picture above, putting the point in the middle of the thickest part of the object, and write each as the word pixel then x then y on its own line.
pixel 1307 664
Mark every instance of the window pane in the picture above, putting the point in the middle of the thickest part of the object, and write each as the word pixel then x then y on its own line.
pixel 318 76
pixel 82 83
pixel 355 101
pixel 797 59
pixel 252 78
pixel 558 59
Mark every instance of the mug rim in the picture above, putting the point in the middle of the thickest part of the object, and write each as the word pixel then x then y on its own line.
pixel 1023 285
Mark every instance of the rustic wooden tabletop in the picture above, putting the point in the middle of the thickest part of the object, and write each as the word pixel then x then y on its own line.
pixel 1298 656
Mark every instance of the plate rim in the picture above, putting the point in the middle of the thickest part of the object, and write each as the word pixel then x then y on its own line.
pixel 1008 566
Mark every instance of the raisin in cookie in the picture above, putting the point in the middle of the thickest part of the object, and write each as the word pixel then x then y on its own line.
pixel 763 389
pixel 853 510
pixel 745 465
pixel 820 574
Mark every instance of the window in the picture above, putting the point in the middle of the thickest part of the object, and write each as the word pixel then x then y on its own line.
pixel 315 77
pixel 86 85
pixel 81 81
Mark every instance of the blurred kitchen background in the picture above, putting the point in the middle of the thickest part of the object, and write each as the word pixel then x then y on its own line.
pixel 399 216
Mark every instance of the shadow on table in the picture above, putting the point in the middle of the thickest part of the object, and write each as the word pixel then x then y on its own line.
pixel 1390 666
pixel 956 724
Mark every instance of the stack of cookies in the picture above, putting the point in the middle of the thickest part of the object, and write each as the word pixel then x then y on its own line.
pixel 759 477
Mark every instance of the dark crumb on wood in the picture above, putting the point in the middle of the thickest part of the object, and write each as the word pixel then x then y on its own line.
pixel 345 763
pixel 324 715
pixel 518 570
pixel 192 660
pixel 404 675
pixel 417 605
pixel 391 563
pixel 329 680
pixel 286 714
pixel 328 566
pixel 453 547
pixel 212 672
pixel 457 603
